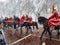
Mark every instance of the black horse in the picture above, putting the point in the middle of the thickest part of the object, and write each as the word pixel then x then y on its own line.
pixel 28 26
pixel 44 21
pixel 6 23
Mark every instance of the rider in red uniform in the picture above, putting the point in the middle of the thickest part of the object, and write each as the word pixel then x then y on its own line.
pixel 30 20
pixel 54 19
pixel 10 20
pixel 23 18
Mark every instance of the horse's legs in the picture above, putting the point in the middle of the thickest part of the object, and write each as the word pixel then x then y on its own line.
pixel 45 32
pixel 51 29
pixel 46 29
pixel 10 25
pixel 7 26
pixel 27 29
pixel 30 29
pixel 42 33
pixel 18 25
pixel 21 29
pixel 33 26
pixel 58 32
pixel 14 26
pixel 49 32
pixel 36 26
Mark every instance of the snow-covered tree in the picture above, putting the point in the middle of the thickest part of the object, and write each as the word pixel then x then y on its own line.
pixel 18 7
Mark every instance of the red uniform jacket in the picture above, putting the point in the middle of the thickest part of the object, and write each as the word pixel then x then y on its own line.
pixel 23 17
pixel 22 20
pixel 30 20
pixel 54 20
pixel 54 15
pixel 10 20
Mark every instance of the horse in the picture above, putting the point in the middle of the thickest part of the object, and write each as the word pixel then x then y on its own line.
pixel 28 25
pixel 7 22
pixel 44 21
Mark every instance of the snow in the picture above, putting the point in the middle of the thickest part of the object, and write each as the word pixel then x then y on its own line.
pixel 20 7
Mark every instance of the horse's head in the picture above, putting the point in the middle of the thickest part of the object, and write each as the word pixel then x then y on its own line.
pixel 42 20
